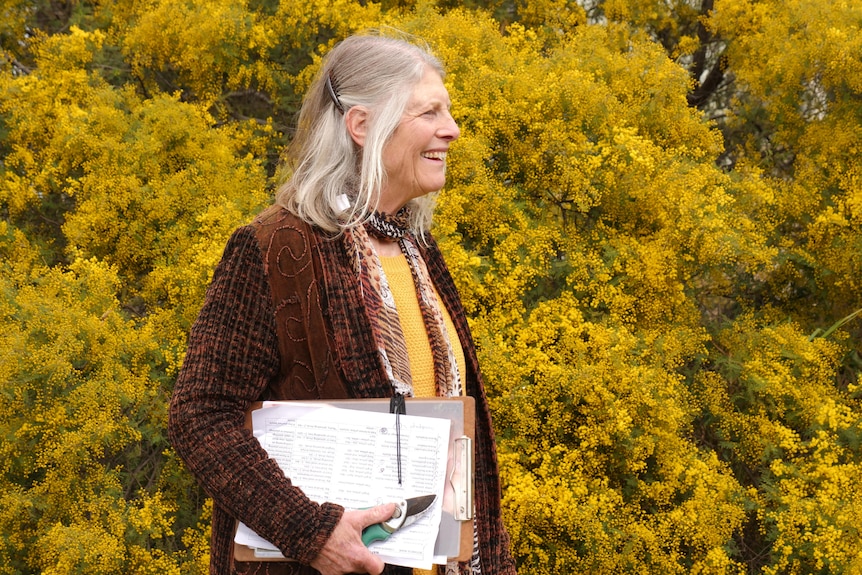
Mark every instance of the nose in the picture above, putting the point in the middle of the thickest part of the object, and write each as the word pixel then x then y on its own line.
pixel 449 130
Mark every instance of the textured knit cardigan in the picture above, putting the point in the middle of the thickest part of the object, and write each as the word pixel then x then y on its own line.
pixel 279 324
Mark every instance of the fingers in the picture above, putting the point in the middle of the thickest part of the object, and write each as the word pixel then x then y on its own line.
pixel 344 551
pixel 375 515
pixel 374 566
pixel 378 514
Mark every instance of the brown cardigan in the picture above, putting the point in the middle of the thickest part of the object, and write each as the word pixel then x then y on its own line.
pixel 278 323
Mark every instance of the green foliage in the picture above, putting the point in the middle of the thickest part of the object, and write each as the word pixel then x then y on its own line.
pixel 653 217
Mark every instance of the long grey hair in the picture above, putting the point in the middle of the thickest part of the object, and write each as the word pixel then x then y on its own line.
pixel 324 162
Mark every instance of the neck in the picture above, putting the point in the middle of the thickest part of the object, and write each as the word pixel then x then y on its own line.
pixel 385 248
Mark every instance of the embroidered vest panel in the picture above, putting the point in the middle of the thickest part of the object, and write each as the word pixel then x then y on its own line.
pixel 308 368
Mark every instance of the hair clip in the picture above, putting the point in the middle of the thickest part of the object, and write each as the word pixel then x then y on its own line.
pixel 333 94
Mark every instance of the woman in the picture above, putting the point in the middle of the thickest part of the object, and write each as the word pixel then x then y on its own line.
pixel 336 291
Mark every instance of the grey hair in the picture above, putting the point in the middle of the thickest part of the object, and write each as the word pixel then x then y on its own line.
pixel 324 162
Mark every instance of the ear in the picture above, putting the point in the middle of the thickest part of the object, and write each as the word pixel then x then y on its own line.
pixel 356 120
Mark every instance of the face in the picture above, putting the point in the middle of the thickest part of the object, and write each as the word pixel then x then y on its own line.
pixel 415 155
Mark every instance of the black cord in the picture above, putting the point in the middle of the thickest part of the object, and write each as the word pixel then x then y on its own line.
pixel 398 407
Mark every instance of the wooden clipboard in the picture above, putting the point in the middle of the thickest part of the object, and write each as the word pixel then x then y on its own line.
pixel 456 530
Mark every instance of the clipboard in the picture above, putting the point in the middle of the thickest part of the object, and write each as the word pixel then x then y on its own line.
pixel 456 530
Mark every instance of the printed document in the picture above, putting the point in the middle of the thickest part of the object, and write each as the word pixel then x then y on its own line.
pixel 351 457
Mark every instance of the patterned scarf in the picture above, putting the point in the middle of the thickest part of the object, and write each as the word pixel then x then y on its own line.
pixel 380 304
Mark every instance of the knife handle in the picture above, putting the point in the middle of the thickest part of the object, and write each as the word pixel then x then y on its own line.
pixel 374 533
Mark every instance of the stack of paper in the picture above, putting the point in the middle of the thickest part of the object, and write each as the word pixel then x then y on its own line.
pixel 350 457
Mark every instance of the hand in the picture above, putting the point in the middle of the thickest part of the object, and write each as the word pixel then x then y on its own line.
pixel 344 551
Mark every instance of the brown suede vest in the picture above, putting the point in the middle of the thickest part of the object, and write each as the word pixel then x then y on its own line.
pixel 308 369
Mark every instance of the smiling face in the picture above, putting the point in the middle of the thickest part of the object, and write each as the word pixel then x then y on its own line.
pixel 415 155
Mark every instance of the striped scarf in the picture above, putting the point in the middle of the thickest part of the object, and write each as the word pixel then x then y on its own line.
pixel 380 304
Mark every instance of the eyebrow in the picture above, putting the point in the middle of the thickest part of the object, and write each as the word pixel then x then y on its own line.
pixel 435 103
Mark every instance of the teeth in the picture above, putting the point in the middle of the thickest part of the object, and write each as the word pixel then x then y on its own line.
pixel 435 155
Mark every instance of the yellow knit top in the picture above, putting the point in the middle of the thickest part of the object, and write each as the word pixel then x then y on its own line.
pixel 400 280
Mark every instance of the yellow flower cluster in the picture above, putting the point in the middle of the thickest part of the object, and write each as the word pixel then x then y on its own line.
pixel 673 386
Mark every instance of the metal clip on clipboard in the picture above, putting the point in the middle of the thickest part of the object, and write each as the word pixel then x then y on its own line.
pixel 463 488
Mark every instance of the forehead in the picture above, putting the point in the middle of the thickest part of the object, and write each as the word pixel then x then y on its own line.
pixel 429 90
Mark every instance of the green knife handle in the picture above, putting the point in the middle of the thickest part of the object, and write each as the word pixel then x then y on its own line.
pixel 374 533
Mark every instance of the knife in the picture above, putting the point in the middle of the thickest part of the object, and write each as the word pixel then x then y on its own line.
pixel 407 511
